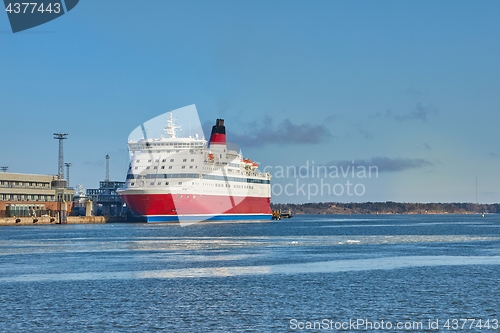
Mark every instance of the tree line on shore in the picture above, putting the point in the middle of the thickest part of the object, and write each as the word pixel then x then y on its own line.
pixel 388 207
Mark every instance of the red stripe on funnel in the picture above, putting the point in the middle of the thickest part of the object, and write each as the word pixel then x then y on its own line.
pixel 218 138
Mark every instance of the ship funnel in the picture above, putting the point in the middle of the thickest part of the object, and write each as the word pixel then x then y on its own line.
pixel 218 135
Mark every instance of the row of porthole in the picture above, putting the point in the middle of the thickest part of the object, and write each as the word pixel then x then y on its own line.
pixel 204 184
pixel 164 160
pixel 170 167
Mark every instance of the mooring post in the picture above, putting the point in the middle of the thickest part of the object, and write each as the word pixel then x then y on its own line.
pixel 63 213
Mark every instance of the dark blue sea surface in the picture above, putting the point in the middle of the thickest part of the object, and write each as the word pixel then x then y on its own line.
pixel 420 273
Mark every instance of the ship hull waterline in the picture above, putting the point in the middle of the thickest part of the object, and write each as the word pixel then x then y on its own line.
pixel 174 208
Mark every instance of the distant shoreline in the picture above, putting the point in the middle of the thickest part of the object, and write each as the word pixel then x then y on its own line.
pixel 388 208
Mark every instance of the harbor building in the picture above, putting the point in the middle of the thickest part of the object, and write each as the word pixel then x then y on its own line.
pixel 106 201
pixel 32 194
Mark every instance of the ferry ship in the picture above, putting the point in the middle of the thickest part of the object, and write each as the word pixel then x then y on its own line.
pixel 189 179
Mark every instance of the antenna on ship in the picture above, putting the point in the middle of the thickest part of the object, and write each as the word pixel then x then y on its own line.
pixel 171 126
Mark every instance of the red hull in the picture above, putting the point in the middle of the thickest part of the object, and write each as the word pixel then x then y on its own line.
pixel 168 204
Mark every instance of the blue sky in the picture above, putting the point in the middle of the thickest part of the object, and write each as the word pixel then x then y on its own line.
pixel 412 87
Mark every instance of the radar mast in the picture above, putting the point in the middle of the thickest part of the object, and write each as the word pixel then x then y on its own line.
pixel 170 127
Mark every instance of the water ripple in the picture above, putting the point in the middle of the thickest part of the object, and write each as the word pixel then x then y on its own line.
pixel 335 266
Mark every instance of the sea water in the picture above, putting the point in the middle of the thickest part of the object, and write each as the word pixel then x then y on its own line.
pixel 311 273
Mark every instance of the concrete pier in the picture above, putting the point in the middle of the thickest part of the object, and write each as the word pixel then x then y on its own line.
pixel 6 221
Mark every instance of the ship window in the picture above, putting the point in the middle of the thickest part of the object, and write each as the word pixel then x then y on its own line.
pixel 137 161
pixel 159 183
pixel 164 160
pixel 156 167
pixel 192 160
pixel 166 183
pixel 132 184
pixel 147 167
pixel 157 160
pixel 179 183
pixel 171 160
pixel 152 183
pixel 163 167
pixel 170 167
pixel 136 168
pixel 184 160
pixel 149 160
pixel 190 167
pixel 183 167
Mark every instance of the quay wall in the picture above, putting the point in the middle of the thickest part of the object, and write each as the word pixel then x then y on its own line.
pixel 7 221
